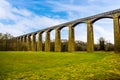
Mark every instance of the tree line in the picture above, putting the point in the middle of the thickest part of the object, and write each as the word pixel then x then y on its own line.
pixel 8 43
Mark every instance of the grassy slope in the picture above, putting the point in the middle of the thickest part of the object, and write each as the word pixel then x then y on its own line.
pixel 59 66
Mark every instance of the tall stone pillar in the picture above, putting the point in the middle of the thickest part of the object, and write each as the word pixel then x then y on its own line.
pixel 57 40
pixel 33 42
pixel 29 42
pixel 90 37
pixel 116 32
pixel 22 41
pixel 47 41
pixel 71 41
pixel 39 46
pixel 17 44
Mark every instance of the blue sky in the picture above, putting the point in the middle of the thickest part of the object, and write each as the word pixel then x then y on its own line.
pixel 19 17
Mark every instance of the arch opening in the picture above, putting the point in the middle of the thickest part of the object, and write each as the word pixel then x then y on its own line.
pixel 52 40
pixel 64 38
pixel 43 41
pixel 80 36
pixel 103 34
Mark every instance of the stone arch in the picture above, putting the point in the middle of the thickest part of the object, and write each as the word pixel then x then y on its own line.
pixel 102 17
pixel 61 27
pixel 77 23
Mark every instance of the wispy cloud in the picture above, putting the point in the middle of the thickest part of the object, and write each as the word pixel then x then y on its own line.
pixel 83 9
pixel 24 20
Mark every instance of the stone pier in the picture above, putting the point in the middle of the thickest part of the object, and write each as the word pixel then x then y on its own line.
pixel 47 41
pixel 39 44
pixel 116 32
pixel 33 42
pixel 90 39
pixel 29 42
pixel 71 41
pixel 57 40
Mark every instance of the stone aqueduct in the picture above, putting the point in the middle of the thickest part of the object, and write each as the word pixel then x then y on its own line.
pixel 31 42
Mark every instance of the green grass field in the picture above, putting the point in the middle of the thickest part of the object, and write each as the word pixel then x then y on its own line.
pixel 59 66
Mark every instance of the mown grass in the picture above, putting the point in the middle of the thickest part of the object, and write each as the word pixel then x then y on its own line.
pixel 59 66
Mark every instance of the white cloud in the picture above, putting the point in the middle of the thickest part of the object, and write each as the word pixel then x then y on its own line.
pixel 85 9
pixel 64 33
pixel 24 20
pixel 59 7
pixel 81 32
pixel 102 32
